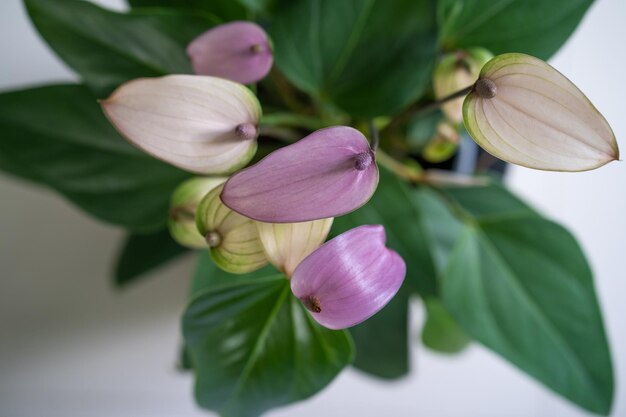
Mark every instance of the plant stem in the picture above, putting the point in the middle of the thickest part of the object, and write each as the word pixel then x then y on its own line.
pixel 284 134
pixel 412 175
pixel 416 109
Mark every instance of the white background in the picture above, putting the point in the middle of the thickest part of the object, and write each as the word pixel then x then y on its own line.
pixel 73 346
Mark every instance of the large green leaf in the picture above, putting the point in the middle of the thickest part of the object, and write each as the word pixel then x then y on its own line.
pixel 142 253
pixel 441 332
pixel 108 48
pixel 224 9
pixel 254 347
pixel 208 276
pixel 382 344
pixel 58 136
pixel 535 27
pixel 486 202
pixel 370 57
pixel 521 286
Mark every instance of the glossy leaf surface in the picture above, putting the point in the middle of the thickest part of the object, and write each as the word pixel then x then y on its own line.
pixel 107 48
pixel 254 347
pixel 535 27
pixel 521 286
pixel 327 48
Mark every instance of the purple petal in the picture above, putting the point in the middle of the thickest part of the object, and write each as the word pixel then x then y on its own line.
pixel 238 51
pixel 328 173
pixel 349 278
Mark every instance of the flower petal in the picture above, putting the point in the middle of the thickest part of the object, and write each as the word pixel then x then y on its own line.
pixel 328 173
pixel 233 239
pixel 238 51
pixel 183 205
pixel 525 112
pixel 349 278
pixel 286 244
pixel 201 124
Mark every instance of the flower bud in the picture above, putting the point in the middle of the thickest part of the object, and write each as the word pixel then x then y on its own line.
pixel 204 125
pixel 349 278
pixel 286 244
pixel 455 72
pixel 328 173
pixel 525 112
pixel 183 205
pixel 233 239
pixel 443 145
pixel 238 51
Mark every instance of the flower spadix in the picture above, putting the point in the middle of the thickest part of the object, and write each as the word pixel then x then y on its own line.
pixel 349 278
pixel 183 205
pixel 328 173
pixel 238 51
pixel 525 112
pixel 233 239
pixel 286 244
pixel 205 125
pixel 454 72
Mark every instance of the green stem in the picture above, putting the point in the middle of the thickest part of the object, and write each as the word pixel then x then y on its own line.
pixel 417 109
pixel 293 120
pixel 284 134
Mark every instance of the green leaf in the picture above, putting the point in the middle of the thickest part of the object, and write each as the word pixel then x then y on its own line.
pixel 382 345
pixel 369 57
pixel 254 347
pixel 441 332
pixel 58 136
pixel 488 202
pixel 142 253
pixel 521 286
pixel 393 206
pixel 224 9
pixel 108 48
pixel 440 225
pixel 208 276
pixel 534 27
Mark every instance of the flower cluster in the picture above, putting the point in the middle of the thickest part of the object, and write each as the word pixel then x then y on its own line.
pixel 281 209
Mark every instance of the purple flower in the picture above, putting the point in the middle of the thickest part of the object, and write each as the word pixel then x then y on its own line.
pixel 349 278
pixel 328 173
pixel 238 51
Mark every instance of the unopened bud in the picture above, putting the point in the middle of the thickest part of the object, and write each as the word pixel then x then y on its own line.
pixel 183 205
pixel 233 239
pixel 455 72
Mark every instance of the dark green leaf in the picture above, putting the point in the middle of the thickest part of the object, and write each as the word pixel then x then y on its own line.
pixel 108 48
pixel 421 130
pixel 208 276
pixel 254 347
pixel 58 136
pixel 382 345
pixel 224 9
pixel 441 332
pixel 521 286
pixel 370 57
pixel 488 202
pixel 393 206
pixel 142 253
pixel 440 226
pixel 535 27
